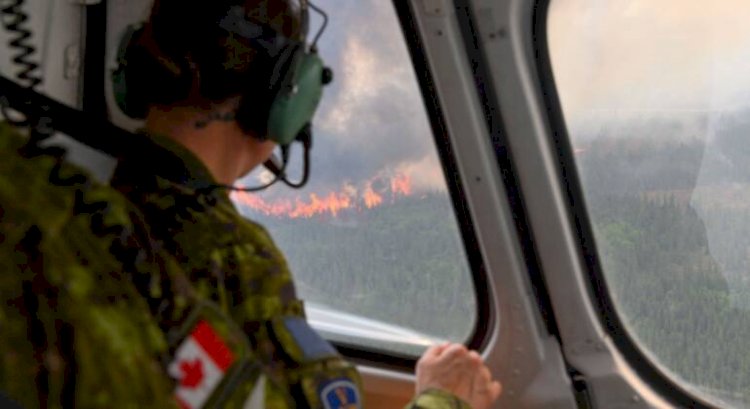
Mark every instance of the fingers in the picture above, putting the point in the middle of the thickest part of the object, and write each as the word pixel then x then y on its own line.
pixel 475 358
pixel 495 390
pixel 435 350
pixel 486 379
pixel 485 374
pixel 452 351
pixel 455 356
pixel 454 368
pixel 486 390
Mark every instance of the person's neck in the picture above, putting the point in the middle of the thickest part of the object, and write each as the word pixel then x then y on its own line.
pixel 218 143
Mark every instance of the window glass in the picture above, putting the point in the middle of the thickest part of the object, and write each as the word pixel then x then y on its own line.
pixel 656 96
pixel 372 239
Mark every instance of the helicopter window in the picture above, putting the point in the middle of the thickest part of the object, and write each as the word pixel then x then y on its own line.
pixel 373 240
pixel 656 97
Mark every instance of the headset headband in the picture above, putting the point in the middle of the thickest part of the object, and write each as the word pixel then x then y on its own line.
pixel 260 35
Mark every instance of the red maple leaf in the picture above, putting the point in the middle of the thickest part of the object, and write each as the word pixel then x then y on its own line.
pixel 192 373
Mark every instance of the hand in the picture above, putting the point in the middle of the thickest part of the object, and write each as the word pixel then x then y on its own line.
pixel 455 369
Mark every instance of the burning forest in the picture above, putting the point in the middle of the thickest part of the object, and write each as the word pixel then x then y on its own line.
pixel 368 195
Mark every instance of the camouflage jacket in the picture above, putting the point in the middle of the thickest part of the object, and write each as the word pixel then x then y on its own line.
pixel 92 312
pixel 234 263
pixel 75 331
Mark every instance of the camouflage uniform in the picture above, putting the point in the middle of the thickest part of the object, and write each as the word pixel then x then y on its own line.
pixel 75 329
pixel 92 313
pixel 235 263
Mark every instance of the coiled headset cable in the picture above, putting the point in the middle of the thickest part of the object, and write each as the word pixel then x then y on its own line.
pixel 14 19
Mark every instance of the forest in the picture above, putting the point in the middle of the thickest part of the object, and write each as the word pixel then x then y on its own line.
pixel 402 263
pixel 670 209
pixel 671 217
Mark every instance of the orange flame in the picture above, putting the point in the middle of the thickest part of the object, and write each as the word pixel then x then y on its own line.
pixel 371 198
pixel 331 204
pixel 400 184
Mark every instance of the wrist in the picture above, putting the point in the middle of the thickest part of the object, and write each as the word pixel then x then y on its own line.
pixel 433 397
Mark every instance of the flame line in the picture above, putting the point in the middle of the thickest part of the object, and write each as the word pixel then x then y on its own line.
pixel 332 203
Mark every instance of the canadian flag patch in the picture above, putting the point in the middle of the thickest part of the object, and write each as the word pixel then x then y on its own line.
pixel 199 365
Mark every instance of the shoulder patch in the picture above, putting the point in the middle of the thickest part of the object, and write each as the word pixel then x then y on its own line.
pixel 200 364
pixel 340 394
pixel 312 346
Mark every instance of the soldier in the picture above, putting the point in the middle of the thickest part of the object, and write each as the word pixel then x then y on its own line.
pixel 219 85
pixel 92 313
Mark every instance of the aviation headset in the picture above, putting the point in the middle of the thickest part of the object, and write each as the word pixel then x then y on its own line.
pixel 282 112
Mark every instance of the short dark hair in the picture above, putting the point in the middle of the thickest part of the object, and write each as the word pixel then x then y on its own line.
pixel 206 63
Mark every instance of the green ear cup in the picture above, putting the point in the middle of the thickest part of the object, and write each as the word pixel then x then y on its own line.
pixel 292 110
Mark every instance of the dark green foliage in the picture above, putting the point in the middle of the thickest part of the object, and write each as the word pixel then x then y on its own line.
pixel 668 273
pixel 402 263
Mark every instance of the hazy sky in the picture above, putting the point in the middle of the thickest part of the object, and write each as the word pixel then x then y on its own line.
pixel 372 121
pixel 620 64
pixel 617 56
pixel 612 59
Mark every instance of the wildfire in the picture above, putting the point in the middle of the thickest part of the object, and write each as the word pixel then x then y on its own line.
pixel 401 184
pixel 371 198
pixel 332 203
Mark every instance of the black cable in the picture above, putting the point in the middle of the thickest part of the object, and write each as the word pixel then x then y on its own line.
pixel 322 28
pixel 279 171
pixel 272 167
pixel 14 19
pixel 304 137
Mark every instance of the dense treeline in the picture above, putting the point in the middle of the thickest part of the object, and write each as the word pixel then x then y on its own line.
pixel 672 294
pixel 673 233
pixel 402 263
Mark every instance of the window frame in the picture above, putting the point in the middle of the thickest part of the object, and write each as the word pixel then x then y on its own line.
pixel 485 321
pixel 520 350
pixel 598 290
